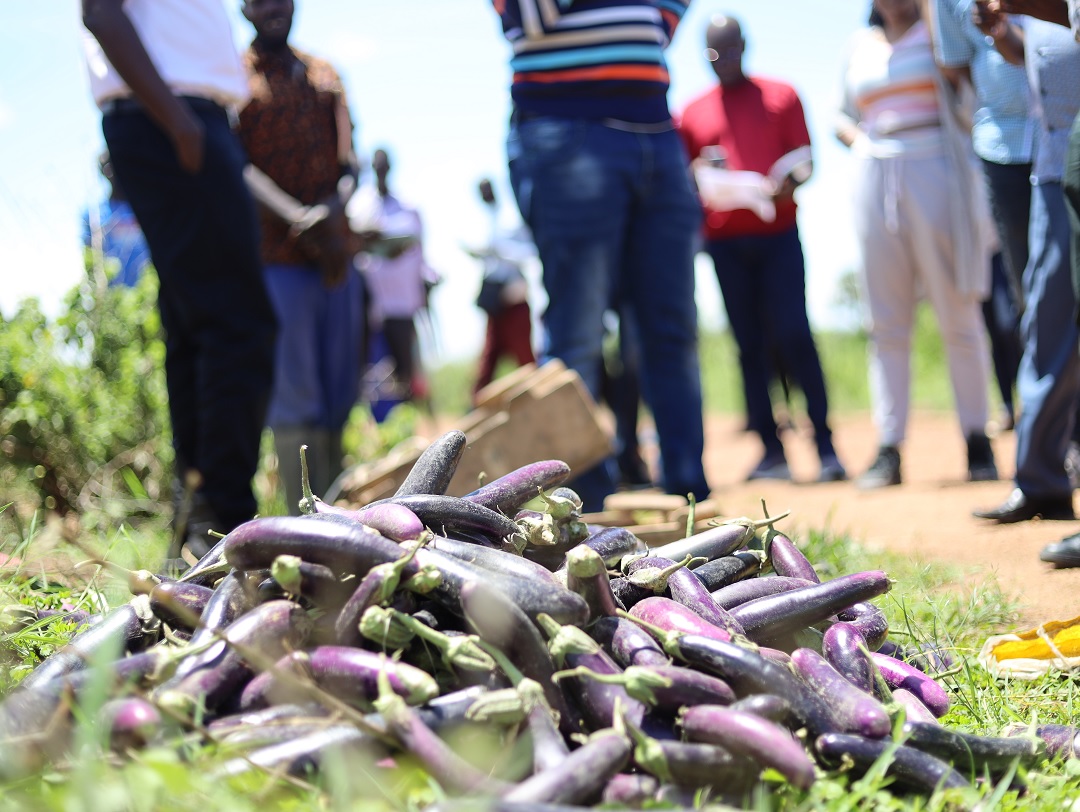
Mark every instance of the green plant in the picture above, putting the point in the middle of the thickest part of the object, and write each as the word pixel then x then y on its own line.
pixel 83 407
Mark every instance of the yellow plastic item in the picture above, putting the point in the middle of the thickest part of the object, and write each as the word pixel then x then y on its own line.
pixel 1055 645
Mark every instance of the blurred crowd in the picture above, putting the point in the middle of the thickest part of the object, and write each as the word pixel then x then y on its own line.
pixel 293 282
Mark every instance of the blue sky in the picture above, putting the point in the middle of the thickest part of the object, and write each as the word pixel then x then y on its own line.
pixel 428 79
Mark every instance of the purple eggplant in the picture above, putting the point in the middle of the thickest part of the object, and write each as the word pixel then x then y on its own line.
pixel 974 755
pixel 870 621
pixel 435 467
pixel 349 674
pixel 443 514
pixel 498 561
pixel 768 706
pixel 668 615
pixel 899 674
pixel 729 569
pixel 751 589
pixel 587 575
pixel 582 775
pixel 131 721
pixel 687 687
pixel 179 604
pixel 694 765
pixel 510 492
pixel 721 540
pixel 787 559
pixel 630 790
pixel 752 736
pixel 853 709
pixel 776 615
pixel 914 768
pixel 627 642
pixel 613 544
pixel 914 709
pixel 845 649
pixel 1060 740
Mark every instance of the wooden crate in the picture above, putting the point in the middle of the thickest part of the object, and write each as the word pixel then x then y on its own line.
pixel 533 413
pixel 655 518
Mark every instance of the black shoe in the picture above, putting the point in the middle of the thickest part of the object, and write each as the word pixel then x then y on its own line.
pixel 772 466
pixel 981 465
pixel 1020 507
pixel 883 472
pixel 1072 464
pixel 1064 553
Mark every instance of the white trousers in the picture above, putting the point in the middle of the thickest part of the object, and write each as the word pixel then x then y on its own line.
pixel 903 225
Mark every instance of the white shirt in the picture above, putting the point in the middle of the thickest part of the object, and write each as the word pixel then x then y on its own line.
pixel 190 43
pixel 396 284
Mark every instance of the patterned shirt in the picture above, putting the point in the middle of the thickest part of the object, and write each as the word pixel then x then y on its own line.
pixel 296 129
pixel 1074 18
pixel 591 59
pixel 1003 129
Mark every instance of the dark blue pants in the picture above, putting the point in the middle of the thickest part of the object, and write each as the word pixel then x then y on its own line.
pixel 218 321
pixel 1009 191
pixel 763 282
pixel 1002 317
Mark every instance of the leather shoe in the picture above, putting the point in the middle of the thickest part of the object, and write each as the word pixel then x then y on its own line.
pixel 1064 553
pixel 1020 507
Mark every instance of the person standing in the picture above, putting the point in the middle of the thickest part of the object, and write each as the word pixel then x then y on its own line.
pixel 1003 135
pixel 917 229
pixel 602 180
pixel 1049 379
pixel 396 274
pixel 754 122
pixel 166 74
pixel 298 135
pixel 504 293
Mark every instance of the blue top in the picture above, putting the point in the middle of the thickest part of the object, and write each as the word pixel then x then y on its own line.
pixel 115 229
pixel 1003 129
pixel 1052 56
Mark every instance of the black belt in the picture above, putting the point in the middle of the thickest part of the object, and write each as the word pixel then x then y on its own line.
pixel 127 104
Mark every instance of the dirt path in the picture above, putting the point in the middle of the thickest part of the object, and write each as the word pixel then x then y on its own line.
pixel 927 517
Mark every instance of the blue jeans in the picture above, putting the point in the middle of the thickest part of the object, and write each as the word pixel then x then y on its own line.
pixel 1049 378
pixel 614 211
pixel 1002 319
pixel 219 324
pixel 318 363
pixel 763 282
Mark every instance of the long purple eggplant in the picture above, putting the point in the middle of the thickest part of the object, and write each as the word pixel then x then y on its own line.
pixel 179 604
pixel 918 770
pixel 687 687
pixel 668 615
pixel 498 561
pixel 973 755
pixel 269 630
pixel 1060 740
pixel 723 539
pixel 435 467
pixel 587 575
pixel 870 621
pixel 898 674
pixel 127 628
pixel 510 492
pixel 627 642
pixel 768 706
pixel 750 735
pixel 581 777
pixel 694 765
pixel 853 709
pixel 443 514
pixel 613 544
pixel 845 649
pixel 497 619
pixel 914 709
pixel 776 615
pixel 350 674
pixel 750 589
pixel 729 569
pixel 787 559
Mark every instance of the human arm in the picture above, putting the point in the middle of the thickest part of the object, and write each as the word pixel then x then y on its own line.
pixel 111 27
pixel 953 49
pixel 993 22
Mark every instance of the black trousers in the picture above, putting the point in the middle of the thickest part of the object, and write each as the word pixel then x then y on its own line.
pixel 219 324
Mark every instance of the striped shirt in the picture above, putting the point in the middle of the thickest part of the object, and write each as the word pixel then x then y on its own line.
pixel 890 91
pixel 1003 129
pixel 592 59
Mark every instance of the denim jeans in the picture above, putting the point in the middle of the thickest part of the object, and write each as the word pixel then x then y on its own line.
pixel 1049 378
pixel 318 362
pixel 613 211
pixel 763 282
pixel 218 321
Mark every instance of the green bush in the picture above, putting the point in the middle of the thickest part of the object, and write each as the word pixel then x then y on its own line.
pixel 83 407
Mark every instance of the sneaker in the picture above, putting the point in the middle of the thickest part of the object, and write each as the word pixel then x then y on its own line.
pixel 981 465
pixel 831 469
pixel 884 471
pixel 772 466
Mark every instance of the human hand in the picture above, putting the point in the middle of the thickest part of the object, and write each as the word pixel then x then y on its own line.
pixel 189 140
pixel 325 240
pixel 1055 11
pixel 989 20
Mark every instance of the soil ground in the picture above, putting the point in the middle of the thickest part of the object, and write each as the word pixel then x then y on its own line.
pixel 928 517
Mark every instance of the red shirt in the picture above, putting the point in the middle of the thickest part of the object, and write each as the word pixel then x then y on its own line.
pixel 756 123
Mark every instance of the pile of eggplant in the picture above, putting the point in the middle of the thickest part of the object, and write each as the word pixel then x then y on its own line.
pixel 606 672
